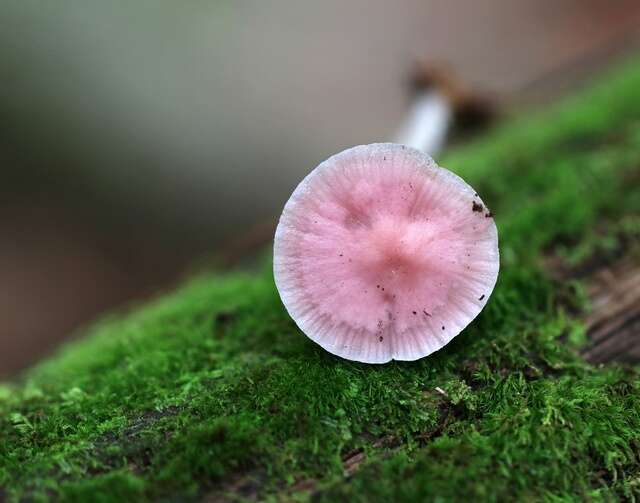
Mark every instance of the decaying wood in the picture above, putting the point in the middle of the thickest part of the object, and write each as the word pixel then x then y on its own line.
pixel 613 324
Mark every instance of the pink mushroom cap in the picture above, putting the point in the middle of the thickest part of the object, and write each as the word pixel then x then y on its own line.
pixel 381 254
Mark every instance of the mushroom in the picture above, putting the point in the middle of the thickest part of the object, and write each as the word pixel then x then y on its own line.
pixel 379 254
pixel 428 121
pixel 441 102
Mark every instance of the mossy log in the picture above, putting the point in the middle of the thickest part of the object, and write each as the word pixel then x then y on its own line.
pixel 212 394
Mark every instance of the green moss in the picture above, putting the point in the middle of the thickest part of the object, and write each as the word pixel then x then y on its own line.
pixel 116 485
pixel 213 390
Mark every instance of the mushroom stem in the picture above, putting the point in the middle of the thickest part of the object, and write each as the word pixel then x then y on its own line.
pixel 428 122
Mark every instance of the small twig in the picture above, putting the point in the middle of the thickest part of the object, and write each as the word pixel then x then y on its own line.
pixel 442 392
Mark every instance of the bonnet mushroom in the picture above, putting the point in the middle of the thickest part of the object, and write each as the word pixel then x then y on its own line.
pixel 380 254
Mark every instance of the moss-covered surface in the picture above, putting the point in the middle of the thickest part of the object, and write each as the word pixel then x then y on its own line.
pixel 212 392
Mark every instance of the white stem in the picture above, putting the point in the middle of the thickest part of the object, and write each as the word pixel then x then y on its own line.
pixel 428 122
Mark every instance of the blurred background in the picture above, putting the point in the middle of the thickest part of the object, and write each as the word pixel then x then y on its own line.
pixel 140 138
